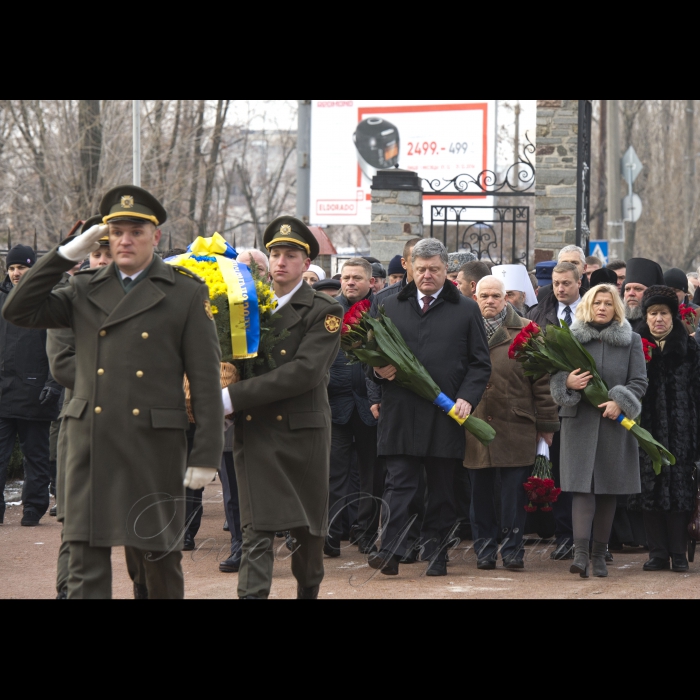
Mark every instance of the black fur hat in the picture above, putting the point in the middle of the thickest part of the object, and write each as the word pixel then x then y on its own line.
pixel 659 294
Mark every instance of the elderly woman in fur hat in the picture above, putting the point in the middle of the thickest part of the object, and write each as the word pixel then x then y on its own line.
pixel 599 458
pixel 671 413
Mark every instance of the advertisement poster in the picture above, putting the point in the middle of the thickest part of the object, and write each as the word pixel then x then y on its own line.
pixel 352 139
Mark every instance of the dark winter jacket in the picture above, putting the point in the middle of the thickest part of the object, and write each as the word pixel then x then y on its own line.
pixel 671 412
pixel 374 391
pixel 449 339
pixel 24 370
pixel 347 386
pixel 545 312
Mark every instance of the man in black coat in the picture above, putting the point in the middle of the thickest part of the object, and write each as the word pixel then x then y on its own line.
pixel 567 285
pixel 354 428
pixel 28 398
pixel 445 332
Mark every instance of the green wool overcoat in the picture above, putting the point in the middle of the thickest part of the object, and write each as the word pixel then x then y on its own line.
pixel 125 445
pixel 282 434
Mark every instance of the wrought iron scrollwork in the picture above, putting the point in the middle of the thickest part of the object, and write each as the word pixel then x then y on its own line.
pixel 502 237
pixel 518 181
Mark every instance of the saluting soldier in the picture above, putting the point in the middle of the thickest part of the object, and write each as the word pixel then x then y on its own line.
pixel 139 326
pixel 282 431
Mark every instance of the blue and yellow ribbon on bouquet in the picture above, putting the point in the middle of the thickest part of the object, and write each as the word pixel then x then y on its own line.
pixel 240 286
pixel 448 406
pixel 625 421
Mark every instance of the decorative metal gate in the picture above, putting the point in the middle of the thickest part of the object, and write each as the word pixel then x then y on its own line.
pixel 498 232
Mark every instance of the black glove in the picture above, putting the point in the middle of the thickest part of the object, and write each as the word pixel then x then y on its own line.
pixel 49 396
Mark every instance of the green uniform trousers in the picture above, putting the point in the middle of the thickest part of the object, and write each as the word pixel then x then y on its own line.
pixel 255 574
pixel 90 571
pixel 53 439
pixel 134 565
pixel 62 566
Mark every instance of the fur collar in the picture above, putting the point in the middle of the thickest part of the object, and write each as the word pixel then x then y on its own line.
pixel 449 292
pixel 615 335
pixel 676 340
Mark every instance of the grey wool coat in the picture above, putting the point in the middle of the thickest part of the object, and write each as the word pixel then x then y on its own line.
pixel 598 455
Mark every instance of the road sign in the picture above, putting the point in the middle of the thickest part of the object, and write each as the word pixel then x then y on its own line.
pixel 631 208
pixel 599 249
pixel 631 165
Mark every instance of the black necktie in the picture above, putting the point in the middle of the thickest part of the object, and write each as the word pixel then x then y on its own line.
pixel 567 315
pixel 127 282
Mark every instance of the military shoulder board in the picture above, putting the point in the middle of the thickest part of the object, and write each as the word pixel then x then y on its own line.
pixel 187 273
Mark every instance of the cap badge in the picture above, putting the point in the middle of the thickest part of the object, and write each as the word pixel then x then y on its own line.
pixel 127 201
pixel 285 229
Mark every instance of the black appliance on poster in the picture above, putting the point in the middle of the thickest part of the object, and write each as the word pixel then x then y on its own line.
pixel 377 144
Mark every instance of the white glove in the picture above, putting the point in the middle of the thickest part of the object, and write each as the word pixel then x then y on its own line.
pixel 81 246
pixel 198 477
pixel 226 398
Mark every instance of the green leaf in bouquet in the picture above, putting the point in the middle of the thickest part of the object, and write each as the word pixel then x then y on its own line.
pixel 480 429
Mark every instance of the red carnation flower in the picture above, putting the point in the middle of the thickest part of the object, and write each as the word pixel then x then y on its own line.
pixel 530 508
pixel 685 311
pixel 648 347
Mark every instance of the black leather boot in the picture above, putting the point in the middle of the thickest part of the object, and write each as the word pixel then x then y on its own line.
pixel 307 593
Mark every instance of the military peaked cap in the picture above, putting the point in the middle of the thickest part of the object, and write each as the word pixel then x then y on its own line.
pixel 286 230
pixel 131 203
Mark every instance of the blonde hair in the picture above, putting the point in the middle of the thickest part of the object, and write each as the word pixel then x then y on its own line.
pixel 584 311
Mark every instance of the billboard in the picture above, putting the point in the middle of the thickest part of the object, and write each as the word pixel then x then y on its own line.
pixel 352 139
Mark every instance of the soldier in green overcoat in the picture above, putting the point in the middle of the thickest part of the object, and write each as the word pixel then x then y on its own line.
pixel 139 326
pixel 283 423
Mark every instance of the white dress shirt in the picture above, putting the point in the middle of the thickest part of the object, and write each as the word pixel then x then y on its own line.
pixel 560 311
pixel 281 301
pixel 435 295
pixel 133 277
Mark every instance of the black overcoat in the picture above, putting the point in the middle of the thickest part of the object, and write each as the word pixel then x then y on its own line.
pixel 671 413
pixel 24 370
pixel 347 387
pixel 449 339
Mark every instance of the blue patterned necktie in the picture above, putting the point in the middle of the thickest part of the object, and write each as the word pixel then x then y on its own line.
pixel 567 315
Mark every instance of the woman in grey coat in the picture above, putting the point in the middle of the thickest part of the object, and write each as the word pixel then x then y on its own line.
pixel 599 458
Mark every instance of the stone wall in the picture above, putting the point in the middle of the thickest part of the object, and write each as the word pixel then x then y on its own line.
pixel 397 214
pixel 556 167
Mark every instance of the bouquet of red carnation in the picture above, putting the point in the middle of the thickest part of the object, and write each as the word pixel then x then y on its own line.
pixel 377 342
pixel 648 347
pixel 689 316
pixel 557 350
pixel 540 487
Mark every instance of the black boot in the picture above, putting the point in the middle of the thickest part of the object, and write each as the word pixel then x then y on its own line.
pixel 310 593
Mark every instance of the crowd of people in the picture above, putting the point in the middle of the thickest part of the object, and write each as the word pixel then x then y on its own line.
pixel 324 452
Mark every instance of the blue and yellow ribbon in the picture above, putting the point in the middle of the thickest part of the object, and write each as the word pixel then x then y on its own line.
pixel 625 421
pixel 240 285
pixel 448 406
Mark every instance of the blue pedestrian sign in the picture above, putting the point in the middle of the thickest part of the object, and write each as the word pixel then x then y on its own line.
pixel 599 249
